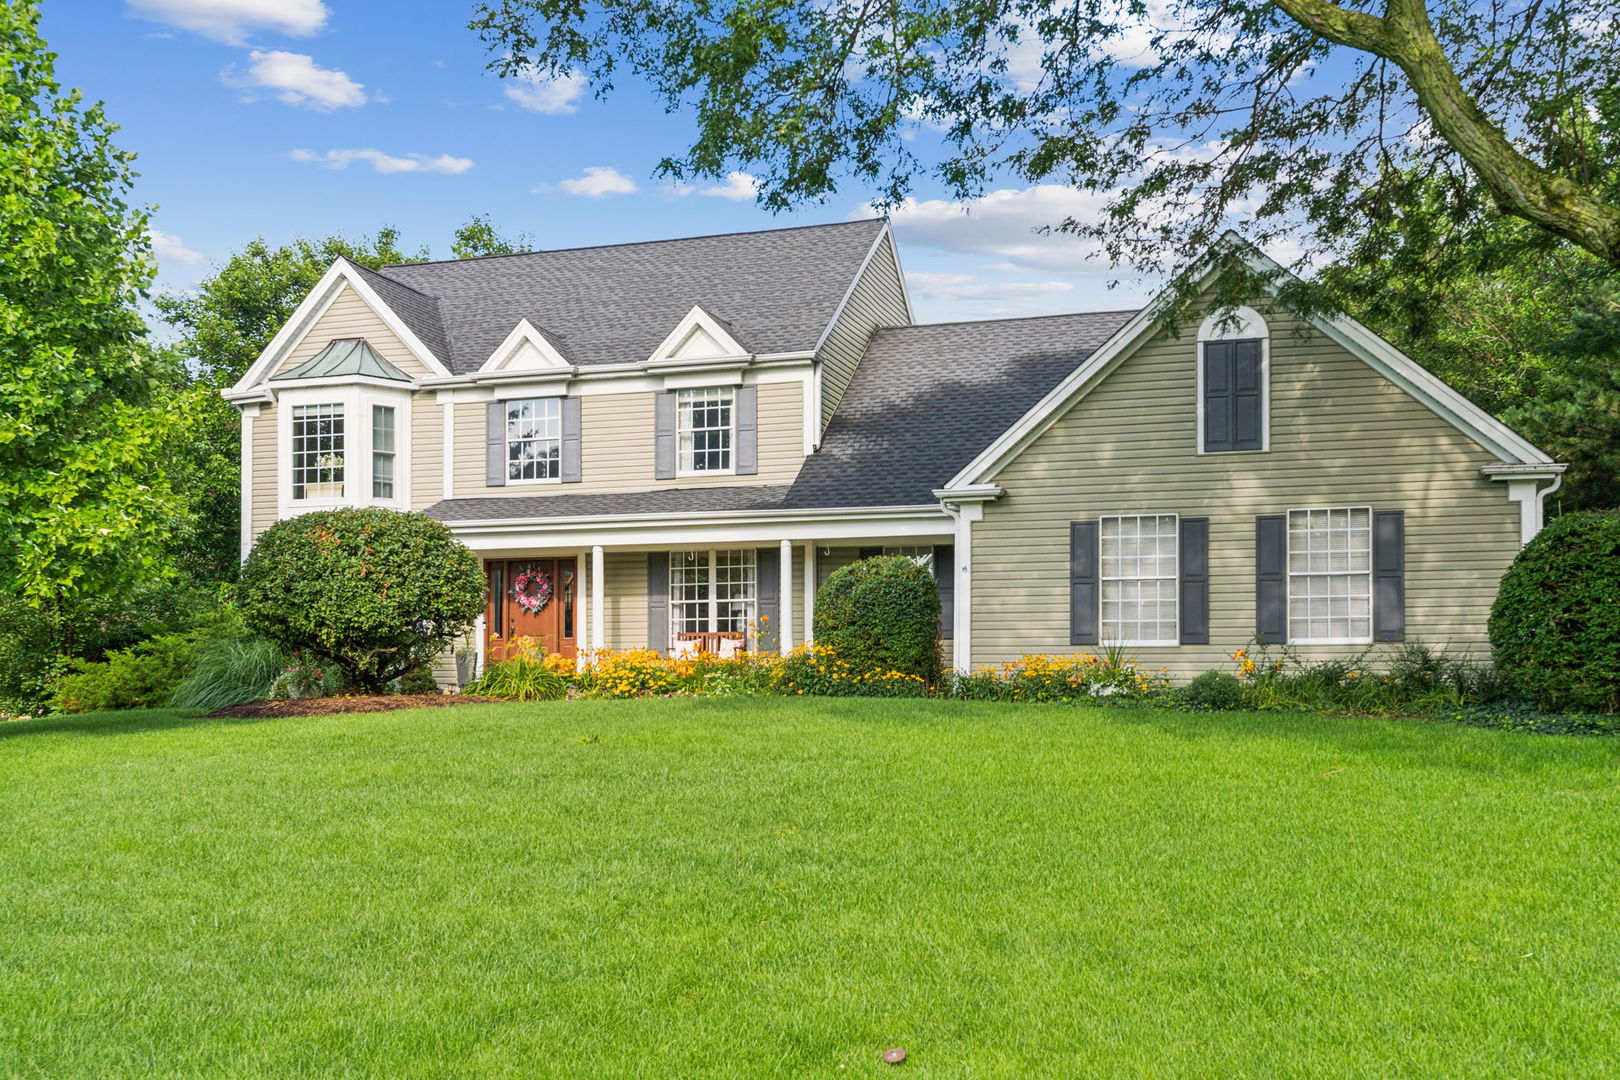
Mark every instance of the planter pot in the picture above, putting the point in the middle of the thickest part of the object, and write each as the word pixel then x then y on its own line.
pixel 323 491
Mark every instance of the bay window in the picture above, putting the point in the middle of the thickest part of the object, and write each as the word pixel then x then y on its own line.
pixel 317 451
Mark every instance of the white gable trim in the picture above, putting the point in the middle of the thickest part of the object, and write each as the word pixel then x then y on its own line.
pixel 308 313
pixel 524 333
pixel 697 320
pixel 1352 336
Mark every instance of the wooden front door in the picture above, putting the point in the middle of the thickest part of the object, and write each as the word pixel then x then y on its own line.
pixel 509 617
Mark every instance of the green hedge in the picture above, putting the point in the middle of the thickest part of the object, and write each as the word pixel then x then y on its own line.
pixel 1555 627
pixel 881 615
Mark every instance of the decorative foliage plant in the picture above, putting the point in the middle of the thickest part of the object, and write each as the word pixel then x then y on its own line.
pixel 1555 627
pixel 376 592
pixel 881 614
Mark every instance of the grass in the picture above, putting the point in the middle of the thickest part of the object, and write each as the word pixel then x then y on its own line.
pixel 747 888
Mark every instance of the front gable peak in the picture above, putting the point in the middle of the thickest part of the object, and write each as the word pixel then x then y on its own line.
pixel 698 336
pixel 527 348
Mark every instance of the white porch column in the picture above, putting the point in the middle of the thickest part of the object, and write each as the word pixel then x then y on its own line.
pixel 583 642
pixel 962 618
pixel 784 603
pixel 248 413
pixel 809 592
pixel 598 601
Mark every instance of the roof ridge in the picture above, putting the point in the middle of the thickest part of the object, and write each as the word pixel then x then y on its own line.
pixel 1010 318
pixel 392 280
pixel 631 243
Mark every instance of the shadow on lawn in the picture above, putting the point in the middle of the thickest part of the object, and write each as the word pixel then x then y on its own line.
pixel 120 723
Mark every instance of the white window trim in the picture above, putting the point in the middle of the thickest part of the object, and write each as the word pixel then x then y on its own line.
pixel 1288 576
pixel 1138 643
pixel 713 602
pixel 1249 326
pixel 357 401
pixel 539 481
pixel 731 448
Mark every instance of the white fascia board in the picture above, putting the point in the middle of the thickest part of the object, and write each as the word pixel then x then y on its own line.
pixel 969 493
pixel 605 372
pixel 849 291
pixel 663 535
pixel 1523 470
pixel 859 513
pixel 1349 334
pixel 340 273
pixel 525 332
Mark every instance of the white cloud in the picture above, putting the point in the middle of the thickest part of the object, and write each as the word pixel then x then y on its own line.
pixel 169 249
pixel 598 181
pixel 1002 224
pixel 954 287
pixel 230 20
pixel 554 95
pixel 385 163
pixel 295 79
pixel 739 187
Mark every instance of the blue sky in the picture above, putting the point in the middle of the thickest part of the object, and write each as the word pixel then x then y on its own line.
pixel 281 118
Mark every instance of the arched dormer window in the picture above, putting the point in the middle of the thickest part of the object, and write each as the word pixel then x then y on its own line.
pixel 1234 391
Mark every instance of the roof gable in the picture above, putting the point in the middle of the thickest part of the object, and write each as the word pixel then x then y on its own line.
pixel 698 336
pixel 527 348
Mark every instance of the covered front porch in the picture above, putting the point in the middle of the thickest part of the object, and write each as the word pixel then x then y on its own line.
pixel 717 586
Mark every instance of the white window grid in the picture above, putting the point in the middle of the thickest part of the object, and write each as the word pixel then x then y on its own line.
pixel 1330 576
pixel 712 591
pixel 1138 564
pixel 704 428
pixel 534 439
pixel 382 451
pixel 922 556
pixel 317 451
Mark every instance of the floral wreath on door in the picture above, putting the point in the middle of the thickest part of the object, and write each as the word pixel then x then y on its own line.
pixel 532 590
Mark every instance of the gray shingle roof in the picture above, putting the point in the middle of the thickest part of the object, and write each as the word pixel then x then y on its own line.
pixel 614 304
pixel 701 500
pixel 416 310
pixel 924 402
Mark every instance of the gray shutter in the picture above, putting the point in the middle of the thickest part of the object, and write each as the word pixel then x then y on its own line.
pixel 945 578
pixel 664 435
pixel 767 590
pixel 494 443
pixel 1389 575
pixel 1218 394
pixel 570 440
pixel 658 601
pixel 1271 578
pixel 1195 581
pixel 745 458
pixel 1083 590
pixel 1248 395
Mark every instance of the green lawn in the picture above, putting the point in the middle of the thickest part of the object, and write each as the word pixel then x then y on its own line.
pixel 785 888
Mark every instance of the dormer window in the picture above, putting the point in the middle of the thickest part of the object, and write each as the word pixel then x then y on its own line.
pixel 317 452
pixel 1233 391
pixel 704 429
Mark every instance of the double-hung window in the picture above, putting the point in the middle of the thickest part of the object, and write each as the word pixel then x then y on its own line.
pixel 382 451
pixel 534 439
pixel 711 592
pixel 1137 563
pixel 317 451
pixel 1330 576
pixel 704 427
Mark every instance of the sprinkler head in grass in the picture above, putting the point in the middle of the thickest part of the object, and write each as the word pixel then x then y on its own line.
pixel 894 1056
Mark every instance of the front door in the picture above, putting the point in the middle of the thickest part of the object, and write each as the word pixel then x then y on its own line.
pixel 530 598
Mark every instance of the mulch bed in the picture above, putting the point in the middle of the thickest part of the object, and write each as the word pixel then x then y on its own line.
pixel 321 706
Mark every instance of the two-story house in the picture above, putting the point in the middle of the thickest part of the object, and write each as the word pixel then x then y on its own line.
pixel 672 444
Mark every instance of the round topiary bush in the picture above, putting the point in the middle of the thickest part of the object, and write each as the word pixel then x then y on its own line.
pixel 376 592
pixel 1214 690
pixel 881 614
pixel 1555 627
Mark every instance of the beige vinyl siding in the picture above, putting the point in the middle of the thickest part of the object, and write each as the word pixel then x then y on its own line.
pixel 616 446
pixel 878 299
pixel 349 316
pixel 426 462
pixel 1341 435
pixel 262 462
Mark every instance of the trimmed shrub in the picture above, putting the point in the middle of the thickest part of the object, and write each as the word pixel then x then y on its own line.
pixel 1555 626
pixel 881 615
pixel 144 676
pixel 376 592
pixel 1214 690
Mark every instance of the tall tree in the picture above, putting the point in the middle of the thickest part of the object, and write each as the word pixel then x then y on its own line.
pixel 1302 117
pixel 479 237
pixel 84 500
